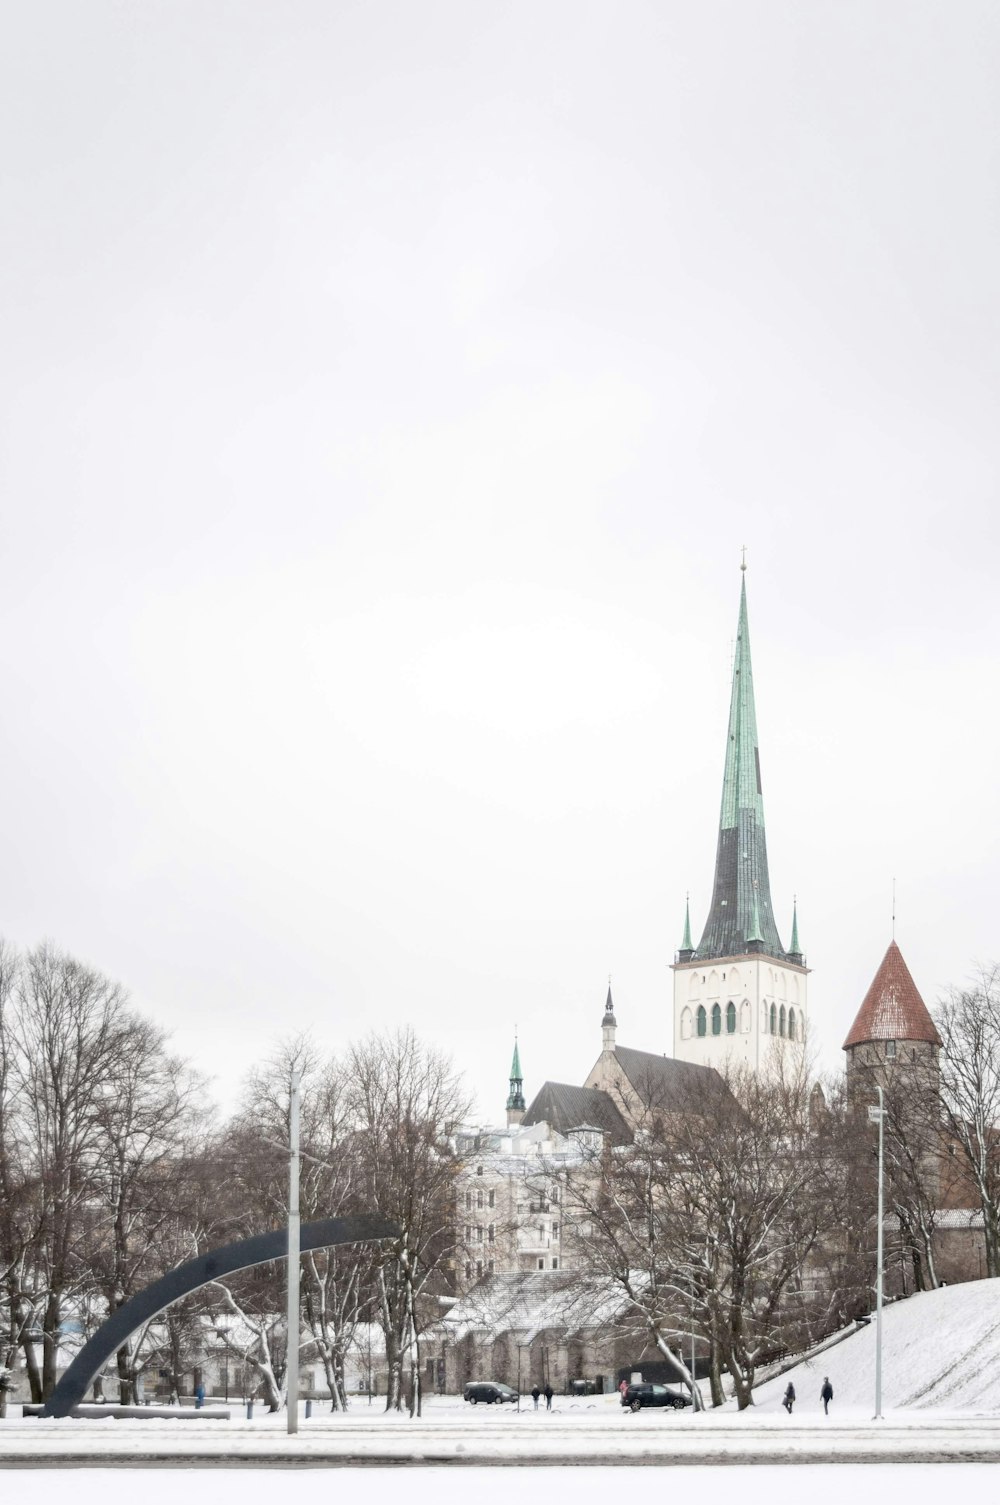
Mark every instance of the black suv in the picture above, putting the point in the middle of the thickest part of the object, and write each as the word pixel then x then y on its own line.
pixel 490 1392
pixel 637 1396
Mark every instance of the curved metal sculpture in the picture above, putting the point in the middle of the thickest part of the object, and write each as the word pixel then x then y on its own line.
pixel 120 1326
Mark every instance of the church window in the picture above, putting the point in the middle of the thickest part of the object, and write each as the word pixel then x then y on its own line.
pixel 716 1019
pixel 730 1018
pixel 774 1020
pixel 702 1019
pixel 781 1021
pixel 492 1198
pixel 791 1024
pixel 686 1023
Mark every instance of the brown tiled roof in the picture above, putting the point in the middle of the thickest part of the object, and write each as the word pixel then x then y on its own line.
pixel 893 1009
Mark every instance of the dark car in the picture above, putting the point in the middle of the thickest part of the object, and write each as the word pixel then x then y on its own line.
pixel 490 1392
pixel 638 1396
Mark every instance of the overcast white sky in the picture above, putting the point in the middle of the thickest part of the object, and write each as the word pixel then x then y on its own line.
pixel 387 391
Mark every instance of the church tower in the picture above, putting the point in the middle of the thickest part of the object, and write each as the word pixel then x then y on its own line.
pixel 893 1032
pixel 739 995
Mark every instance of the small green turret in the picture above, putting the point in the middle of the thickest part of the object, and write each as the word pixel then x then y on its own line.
pixel 515 1098
pixel 687 950
pixel 795 950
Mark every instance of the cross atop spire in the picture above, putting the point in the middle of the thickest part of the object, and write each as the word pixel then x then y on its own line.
pixel 741 917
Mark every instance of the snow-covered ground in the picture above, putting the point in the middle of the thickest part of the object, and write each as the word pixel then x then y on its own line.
pixel 940 1349
pixel 941 1398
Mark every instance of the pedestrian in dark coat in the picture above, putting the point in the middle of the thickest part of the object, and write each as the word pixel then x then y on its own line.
pixel 535 1393
pixel 548 1397
pixel 826 1395
pixel 789 1398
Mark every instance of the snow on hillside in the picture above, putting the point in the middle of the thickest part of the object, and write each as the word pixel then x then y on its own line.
pixel 940 1349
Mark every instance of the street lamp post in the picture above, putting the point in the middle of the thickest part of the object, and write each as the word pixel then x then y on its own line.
pixel 292 1360
pixel 877 1115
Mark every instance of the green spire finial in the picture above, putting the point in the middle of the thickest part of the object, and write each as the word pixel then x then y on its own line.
pixel 686 942
pixel 795 949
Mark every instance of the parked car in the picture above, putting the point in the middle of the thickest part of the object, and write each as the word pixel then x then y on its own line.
pixel 490 1392
pixel 638 1396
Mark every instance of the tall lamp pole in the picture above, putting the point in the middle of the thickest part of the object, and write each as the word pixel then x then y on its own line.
pixel 878 1116
pixel 292 1358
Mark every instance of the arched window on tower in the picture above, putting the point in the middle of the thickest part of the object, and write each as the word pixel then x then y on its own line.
pixel 730 1018
pixel 702 1020
pixel 716 1019
pixel 781 1021
pixel 687 1022
pixel 791 1024
pixel 774 1020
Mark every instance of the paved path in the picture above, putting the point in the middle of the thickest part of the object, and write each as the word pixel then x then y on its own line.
pixel 497 1441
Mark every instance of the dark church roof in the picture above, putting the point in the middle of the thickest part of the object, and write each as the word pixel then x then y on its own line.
pixel 741 918
pixel 893 1008
pixel 566 1108
pixel 662 1082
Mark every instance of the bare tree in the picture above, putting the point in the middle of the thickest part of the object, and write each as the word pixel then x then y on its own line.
pixel 68 1030
pixel 337 1282
pixel 968 1021
pixel 706 1220
pixel 146 1124
pixel 403 1100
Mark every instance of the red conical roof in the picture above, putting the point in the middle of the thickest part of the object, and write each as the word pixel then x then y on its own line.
pixel 893 1009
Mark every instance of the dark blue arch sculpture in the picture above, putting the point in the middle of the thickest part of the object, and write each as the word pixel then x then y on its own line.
pixel 72 1388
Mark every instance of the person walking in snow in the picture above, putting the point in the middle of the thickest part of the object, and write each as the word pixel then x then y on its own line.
pixel 826 1395
pixel 788 1400
pixel 535 1393
pixel 548 1397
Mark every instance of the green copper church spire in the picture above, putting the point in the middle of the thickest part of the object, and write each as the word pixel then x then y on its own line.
pixel 795 948
pixel 515 1098
pixel 686 942
pixel 741 898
